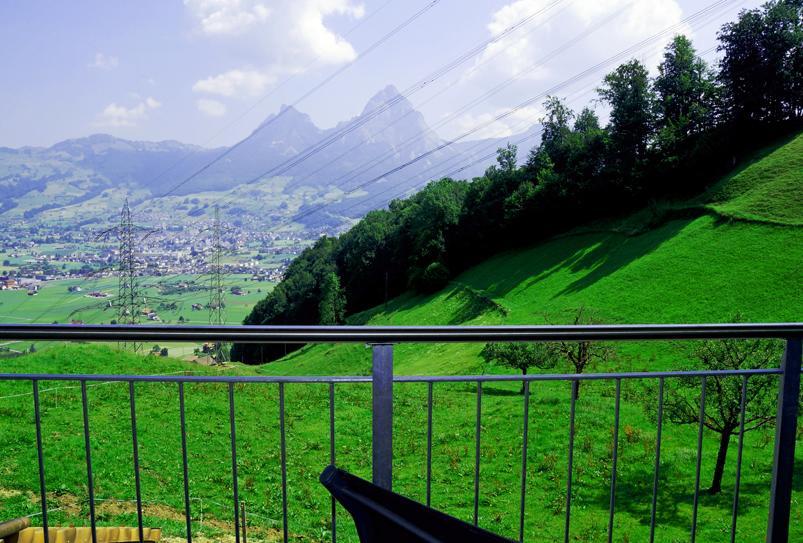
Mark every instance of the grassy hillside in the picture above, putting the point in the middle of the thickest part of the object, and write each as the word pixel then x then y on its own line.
pixel 766 189
pixel 695 269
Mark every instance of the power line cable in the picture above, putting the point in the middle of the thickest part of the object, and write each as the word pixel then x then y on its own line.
pixel 446 88
pixel 366 117
pixel 306 95
pixel 552 90
pixel 265 96
pixel 452 172
pixel 692 18
pixel 355 173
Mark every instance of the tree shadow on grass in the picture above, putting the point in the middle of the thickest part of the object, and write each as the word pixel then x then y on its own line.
pixel 593 255
pixel 614 252
pixel 472 304
pixel 496 391
pixel 675 496
pixel 489 389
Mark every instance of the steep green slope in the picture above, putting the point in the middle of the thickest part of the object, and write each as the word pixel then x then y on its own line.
pixel 768 189
pixel 702 269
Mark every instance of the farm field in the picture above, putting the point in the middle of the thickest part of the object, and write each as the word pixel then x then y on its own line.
pixel 55 303
pixel 702 269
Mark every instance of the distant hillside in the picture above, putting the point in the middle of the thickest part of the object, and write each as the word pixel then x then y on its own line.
pixel 88 177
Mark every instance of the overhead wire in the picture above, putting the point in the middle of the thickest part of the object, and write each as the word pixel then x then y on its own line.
pixel 451 171
pixel 407 22
pixel 448 87
pixel 366 117
pixel 552 90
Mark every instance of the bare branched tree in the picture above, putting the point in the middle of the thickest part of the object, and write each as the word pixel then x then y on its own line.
pixel 582 354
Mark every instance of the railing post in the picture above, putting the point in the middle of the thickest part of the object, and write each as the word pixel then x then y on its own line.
pixel 382 404
pixel 785 433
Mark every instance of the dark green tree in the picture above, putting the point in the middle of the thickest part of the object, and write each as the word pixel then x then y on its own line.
pixel 506 158
pixel 370 260
pixel 628 92
pixel 760 70
pixel 685 91
pixel 582 354
pixel 331 308
pixel 556 126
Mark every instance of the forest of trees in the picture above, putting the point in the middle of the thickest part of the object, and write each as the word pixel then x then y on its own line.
pixel 668 136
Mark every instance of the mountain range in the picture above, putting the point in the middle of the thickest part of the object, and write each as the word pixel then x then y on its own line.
pixel 287 169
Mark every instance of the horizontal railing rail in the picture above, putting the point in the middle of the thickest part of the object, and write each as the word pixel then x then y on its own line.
pixel 382 380
pixel 325 379
pixel 394 334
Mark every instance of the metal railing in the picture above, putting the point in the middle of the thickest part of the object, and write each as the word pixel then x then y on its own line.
pixel 382 380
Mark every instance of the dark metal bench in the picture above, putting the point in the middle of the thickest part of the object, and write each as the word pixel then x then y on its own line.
pixel 384 516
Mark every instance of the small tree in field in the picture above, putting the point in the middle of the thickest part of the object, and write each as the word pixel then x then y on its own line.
pixel 520 356
pixel 724 393
pixel 581 354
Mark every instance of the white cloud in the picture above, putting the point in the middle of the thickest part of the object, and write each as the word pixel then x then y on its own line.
pixel 549 50
pixel 228 16
pixel 234 83
pixel 115 115
pixel 104 62
pixel 213 108
pixel 282 36
pixel 616 25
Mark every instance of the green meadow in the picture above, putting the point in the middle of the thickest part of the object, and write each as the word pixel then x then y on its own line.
pixel 737 248
pixel 54 302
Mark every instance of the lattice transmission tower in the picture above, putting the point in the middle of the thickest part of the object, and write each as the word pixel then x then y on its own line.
pixel 128 296
pixel 217 292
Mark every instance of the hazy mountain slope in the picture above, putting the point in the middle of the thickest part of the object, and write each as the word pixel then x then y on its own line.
pixel 311 166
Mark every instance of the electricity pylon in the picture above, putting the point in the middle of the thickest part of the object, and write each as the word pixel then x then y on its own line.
pixel 217 294
pixel 128 296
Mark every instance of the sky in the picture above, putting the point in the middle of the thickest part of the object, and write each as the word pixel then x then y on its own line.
pixel 208 72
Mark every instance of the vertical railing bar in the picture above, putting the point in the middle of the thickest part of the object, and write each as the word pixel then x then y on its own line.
pixel 783 463
pixel 700 427
pixel 429 443
pixel 41 457
pixel 524 441
pixel 135 449
pixel 236 491
pixel 185 466
pixel 739 459
pixel 283 445
pixel 382 415
pixel 477 454
pixel 614 459
pixel 332 454
pixel 88 454
pixel 570 468
pixel 656 470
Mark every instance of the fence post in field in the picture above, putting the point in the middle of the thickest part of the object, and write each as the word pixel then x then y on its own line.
pixel 382 404
pixel 785 434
